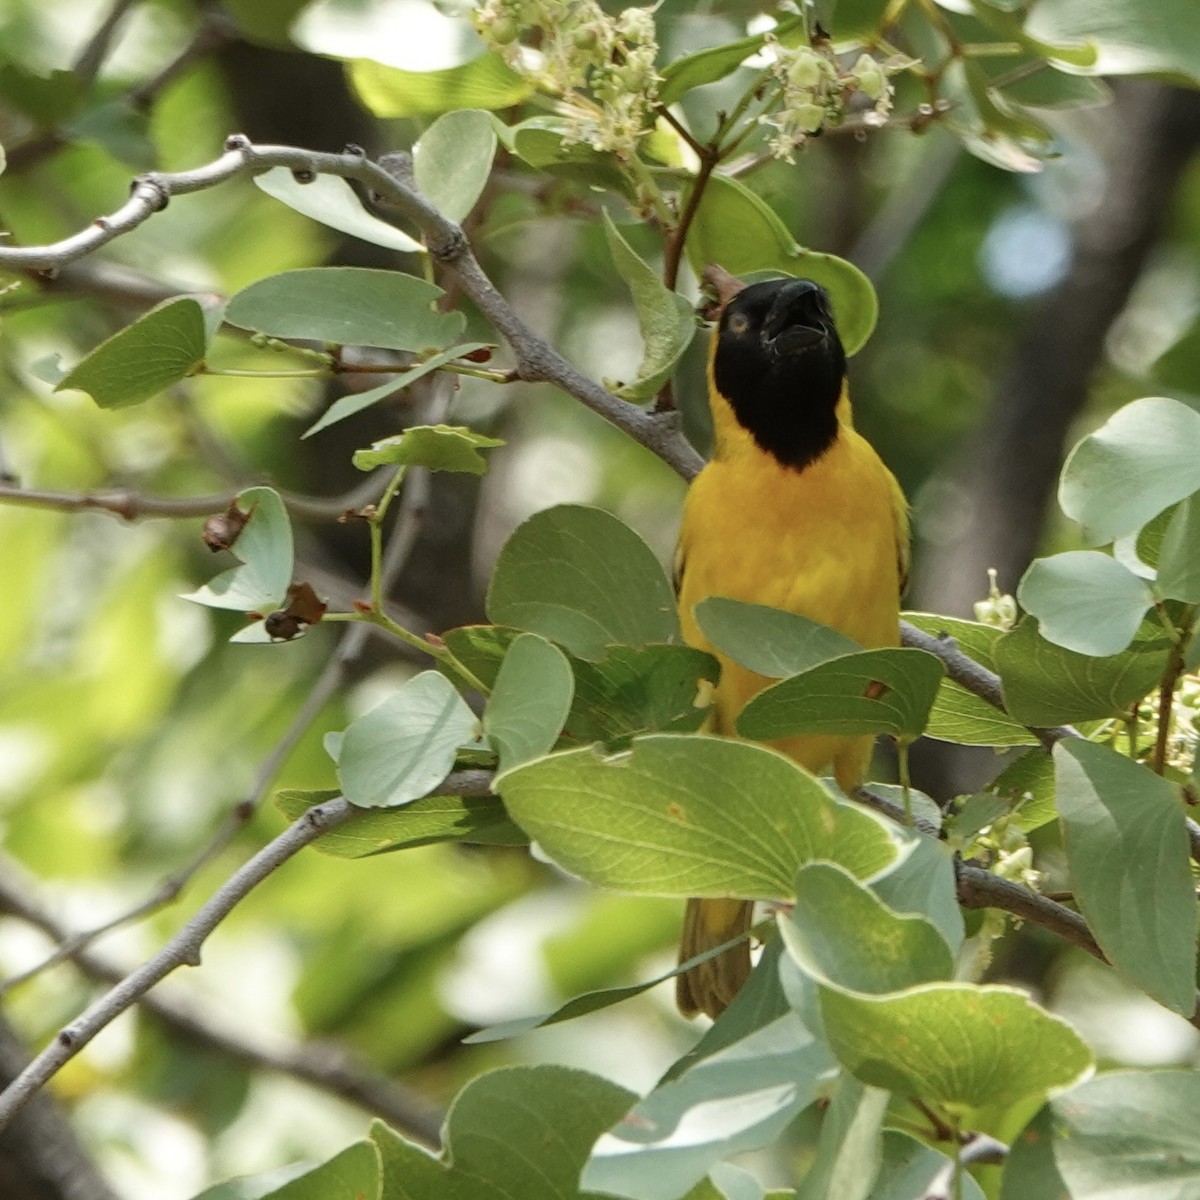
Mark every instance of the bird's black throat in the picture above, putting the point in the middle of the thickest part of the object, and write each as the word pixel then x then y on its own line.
pixel 780 364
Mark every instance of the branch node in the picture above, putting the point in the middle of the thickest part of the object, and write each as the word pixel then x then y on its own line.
pixel 151 189
pixel 237 141
pixel 354 150
pixel 447 249
pixel 67 1037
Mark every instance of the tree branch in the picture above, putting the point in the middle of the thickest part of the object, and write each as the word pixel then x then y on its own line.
pixel 537 361
pixel 182 950
pixel 322 1065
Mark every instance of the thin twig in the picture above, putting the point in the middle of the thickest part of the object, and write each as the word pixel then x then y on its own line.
pixel 536 360
pixel 181 950
pixel 320 1064
pixel 91 58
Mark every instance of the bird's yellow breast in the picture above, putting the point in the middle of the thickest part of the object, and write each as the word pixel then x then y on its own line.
pixel 825 542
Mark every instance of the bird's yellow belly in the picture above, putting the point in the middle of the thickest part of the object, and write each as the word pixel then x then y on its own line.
pixel 821 543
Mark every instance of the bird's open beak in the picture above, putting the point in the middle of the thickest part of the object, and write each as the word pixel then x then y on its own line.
pixel 795 323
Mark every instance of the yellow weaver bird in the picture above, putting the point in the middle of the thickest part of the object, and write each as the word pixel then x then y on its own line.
pixel 795 511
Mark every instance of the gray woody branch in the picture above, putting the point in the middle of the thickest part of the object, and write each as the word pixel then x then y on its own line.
pixel 536 360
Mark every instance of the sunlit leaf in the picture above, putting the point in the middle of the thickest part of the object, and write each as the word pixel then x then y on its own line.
pixel 332 201
pixel 453 159
pixel 530 700
pixel 434 447
pixel 485 82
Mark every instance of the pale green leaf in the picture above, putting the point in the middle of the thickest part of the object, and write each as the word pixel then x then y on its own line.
pixel 406 745
pixel 1126 840
pixel 264 548
pixel 665 319
pixel 1085 601
pixel 453 159
pixel 1179 555
pixel 1145 457
pixel 332 201
pixel 530 700
pixel 434 447
pixel 347 306
pixel 486 82
pixel 850 1150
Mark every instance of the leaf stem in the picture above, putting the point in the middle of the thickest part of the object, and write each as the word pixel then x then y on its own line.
pixel 1166 689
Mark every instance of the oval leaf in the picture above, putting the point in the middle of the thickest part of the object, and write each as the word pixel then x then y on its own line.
pixel 873 691
pixel 1125 834
pixel 332 201
pixel 453 159
pixel 347 306
pixel 958 1046
pixel 665 319
pixel 580 577
pixel 1130 1133
pixel 1143 458
pixel 530 701
pixel 434 447
pixel 1085 601
pixel 770 641
pixel 739 231
pixel 683 816
pixel 143 359
pixel 1179 557
pixel 264 547
pixel 841 932
pixel 407 745
pixel 484 82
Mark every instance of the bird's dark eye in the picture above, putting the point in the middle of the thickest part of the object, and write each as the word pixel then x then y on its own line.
pixel 738 323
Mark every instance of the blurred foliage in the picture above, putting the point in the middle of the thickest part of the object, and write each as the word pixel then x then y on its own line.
pixel 130 727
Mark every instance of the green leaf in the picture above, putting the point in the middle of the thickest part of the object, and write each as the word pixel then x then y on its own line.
pixel 479 820
pixel 1045 684
pixel 1085 601
pixel 1030 1172
pixel 1026 786
pixel 254 1187
pixel 1044 87
pixel 159 349
pixel 686 815
pixel 910 1170
pixel 958 1046
pixel 1125 835
pixel 739 231
pixel 1179 557
pixel 850 1150
pixel 852 20
pixel 665 319
pixel 1143 458
pixel 1130 1134
pixel 582 578
pixel 517 1132
pixel 738 1098
pixel 841 932
pixel 542 143
pixel 406 745
pixel 961 716
pixel 651 689
pixel 1132 37
pixel 873 691
pixel 767 640
pixel 923 882
pixel 355 402
pixel 332 201
pixel 434 447
pixel 453 159
pixel 347 306
pixel 264 548
pixel 715 62
pixel 530 701
pixel 353 1174
pixel 588 1002
pixel 485 82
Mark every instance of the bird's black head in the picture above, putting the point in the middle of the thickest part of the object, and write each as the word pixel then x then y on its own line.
pixel 778 360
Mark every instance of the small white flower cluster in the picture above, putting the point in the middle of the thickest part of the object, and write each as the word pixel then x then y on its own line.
pixel 998 609
pixel 815 90
pixel 601 67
